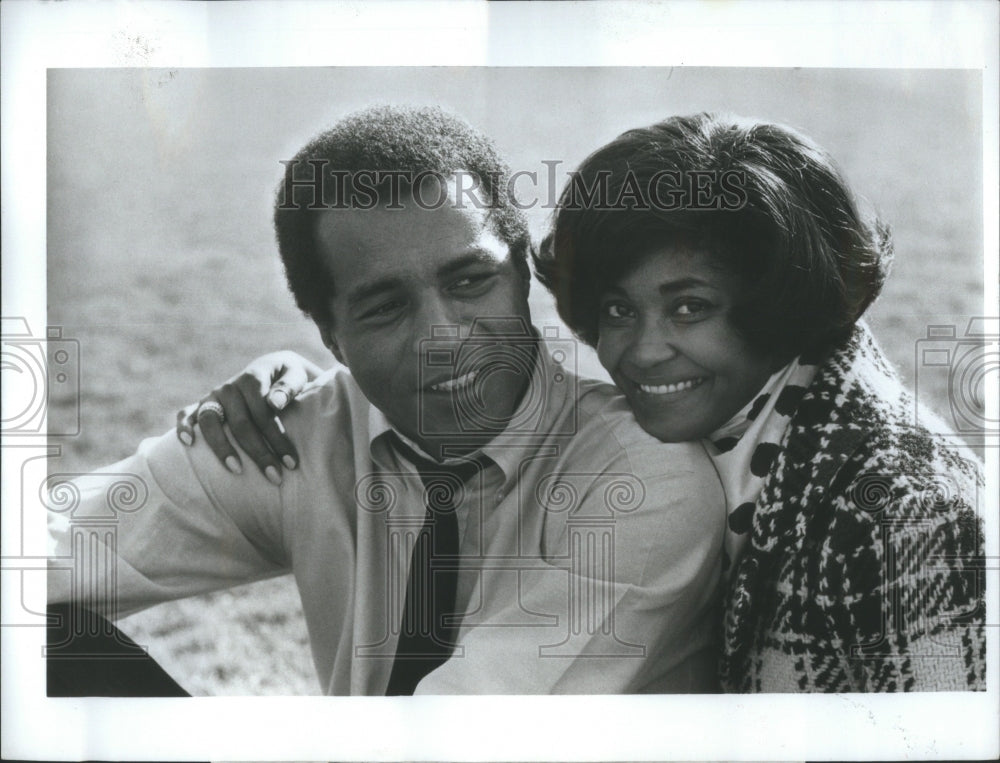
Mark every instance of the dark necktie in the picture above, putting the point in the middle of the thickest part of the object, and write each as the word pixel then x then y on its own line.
pixel 425 640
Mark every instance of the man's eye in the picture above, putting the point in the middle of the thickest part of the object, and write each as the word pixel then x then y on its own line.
pixel 471 282
pixel 382 311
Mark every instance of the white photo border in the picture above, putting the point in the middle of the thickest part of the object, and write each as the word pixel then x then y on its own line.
pixel 770 34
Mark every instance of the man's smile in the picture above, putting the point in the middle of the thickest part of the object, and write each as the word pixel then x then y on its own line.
pixel 453 384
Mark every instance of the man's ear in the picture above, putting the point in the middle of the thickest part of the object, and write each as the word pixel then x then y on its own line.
pixel 326 334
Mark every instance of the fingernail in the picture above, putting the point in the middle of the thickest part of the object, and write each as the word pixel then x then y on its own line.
pixel 279 398
pixel 233 465
pixel 186 438
pixel 277 423
pixel 288 461
pixel 272 474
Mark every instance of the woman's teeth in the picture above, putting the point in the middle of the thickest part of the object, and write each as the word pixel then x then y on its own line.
pixel 663 389
pixel 452 384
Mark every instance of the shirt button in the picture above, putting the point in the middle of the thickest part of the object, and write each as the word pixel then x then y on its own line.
pixel 500 496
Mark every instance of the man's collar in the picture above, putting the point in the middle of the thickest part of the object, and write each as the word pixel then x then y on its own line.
pixel 535 416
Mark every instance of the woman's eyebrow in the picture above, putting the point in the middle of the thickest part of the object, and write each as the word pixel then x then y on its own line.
pixel 669 287
pixel 666 288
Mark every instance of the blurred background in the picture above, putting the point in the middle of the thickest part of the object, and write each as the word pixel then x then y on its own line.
pixel 162 262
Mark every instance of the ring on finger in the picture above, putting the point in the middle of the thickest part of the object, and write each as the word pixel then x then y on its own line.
pixel 211 407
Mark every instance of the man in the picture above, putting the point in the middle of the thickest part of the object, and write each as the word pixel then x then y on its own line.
pixel 467 515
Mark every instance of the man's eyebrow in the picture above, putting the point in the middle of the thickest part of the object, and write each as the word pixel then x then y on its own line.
pixel 472 257
pixel 373 289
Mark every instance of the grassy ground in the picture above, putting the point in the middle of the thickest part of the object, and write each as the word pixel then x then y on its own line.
pixel 162 265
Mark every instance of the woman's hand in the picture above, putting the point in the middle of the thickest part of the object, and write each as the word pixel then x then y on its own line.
pixel 248 403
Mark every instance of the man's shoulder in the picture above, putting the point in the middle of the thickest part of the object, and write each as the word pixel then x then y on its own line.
pixel 607 426
pixel 326 405
pixel 334 387
pixel 624 466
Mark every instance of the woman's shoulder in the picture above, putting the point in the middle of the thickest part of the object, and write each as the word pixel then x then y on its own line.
pixel 861 440
pixel 856 458
pixel 858 407
pixel 866 499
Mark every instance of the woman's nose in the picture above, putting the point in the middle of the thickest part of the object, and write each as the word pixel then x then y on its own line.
pixel 651 345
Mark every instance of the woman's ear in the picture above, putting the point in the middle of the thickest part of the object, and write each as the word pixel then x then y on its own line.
pixel 326 334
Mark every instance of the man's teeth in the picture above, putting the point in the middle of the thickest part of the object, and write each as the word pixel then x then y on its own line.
pixel 452 384
pixel 662 389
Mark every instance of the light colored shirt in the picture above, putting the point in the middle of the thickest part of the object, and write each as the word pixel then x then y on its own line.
pixel 590 551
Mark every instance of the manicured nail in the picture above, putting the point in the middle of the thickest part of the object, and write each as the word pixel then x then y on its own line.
pixel 277 423
pixel 279 398
pixel 288 461
pixel 186 438
pixel 272 474
pixel 233 465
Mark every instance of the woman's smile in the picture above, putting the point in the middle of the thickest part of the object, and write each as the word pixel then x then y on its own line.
pixel 673 389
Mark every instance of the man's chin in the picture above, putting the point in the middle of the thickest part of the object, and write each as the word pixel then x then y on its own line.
pixel 458 436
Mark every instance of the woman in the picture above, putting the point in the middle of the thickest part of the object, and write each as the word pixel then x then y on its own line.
pixel 721 267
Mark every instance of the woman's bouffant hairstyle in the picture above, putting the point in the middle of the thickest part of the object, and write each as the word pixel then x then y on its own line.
pixel 399 143
pixel 765 202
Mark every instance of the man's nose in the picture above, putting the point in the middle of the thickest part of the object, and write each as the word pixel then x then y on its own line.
pixel 440 318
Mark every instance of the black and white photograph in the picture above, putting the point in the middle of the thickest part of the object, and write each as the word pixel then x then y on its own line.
pixel 521 405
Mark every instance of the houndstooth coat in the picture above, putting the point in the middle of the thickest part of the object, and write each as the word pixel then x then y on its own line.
pixel 863 570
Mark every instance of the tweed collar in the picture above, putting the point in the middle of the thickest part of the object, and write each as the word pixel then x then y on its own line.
pixel 820 437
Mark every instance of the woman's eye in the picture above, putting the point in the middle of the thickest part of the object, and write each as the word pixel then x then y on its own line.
pixel 691 308
pixel 616 311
